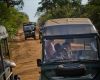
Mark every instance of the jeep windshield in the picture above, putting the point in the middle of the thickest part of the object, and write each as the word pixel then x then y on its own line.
pixel 76 49
pixel 28 27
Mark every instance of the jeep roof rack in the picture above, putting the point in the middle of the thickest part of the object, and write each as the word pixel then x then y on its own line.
pixel 65 21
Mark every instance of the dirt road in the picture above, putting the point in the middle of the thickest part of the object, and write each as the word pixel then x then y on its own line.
pixel 25 53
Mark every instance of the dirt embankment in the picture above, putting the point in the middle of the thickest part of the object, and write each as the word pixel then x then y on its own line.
pixel 25 53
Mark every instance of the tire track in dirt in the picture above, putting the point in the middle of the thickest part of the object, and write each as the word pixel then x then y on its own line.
pixel 25 53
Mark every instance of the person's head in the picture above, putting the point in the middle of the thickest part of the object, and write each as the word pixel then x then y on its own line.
pixel 58 47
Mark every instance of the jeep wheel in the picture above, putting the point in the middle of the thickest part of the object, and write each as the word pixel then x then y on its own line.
pixel 16 77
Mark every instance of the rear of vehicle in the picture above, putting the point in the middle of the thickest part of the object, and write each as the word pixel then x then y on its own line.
pixel 77 57
pixel 29 31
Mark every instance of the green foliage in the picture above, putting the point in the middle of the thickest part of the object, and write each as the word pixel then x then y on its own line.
pixel 12 3
pixel 44 18
pixel 92 11
pixel 11 18
pixel 69 8
pixel 59 9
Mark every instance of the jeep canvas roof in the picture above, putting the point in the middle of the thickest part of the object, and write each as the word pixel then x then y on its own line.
pixel 68 26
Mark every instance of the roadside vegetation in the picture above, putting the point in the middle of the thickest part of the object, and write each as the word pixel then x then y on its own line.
pixel 51 9
pixel 11 18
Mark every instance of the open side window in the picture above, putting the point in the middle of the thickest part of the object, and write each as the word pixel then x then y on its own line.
pixel 1 61
pixel 4 49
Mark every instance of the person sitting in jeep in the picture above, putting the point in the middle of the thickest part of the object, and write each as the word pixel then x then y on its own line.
pixel 54 51
pixel 60 52
pixel 50 50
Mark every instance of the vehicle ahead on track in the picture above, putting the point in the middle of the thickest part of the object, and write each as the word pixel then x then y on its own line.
pixel 70 50
pixel 29 30
pixel 6 64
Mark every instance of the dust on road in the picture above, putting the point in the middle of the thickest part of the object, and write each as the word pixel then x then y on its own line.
pixel 25 53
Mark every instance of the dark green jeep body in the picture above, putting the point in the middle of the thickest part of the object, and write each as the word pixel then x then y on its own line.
pixel 70 50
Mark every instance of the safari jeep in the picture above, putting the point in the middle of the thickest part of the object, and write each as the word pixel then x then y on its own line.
pixel 70 50
pixel 29 30
pixel 6 64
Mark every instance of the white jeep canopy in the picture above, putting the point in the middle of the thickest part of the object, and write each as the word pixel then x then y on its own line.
pixel 3 32
pixel 68 26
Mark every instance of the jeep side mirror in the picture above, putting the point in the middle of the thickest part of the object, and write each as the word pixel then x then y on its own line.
pixel 38 62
